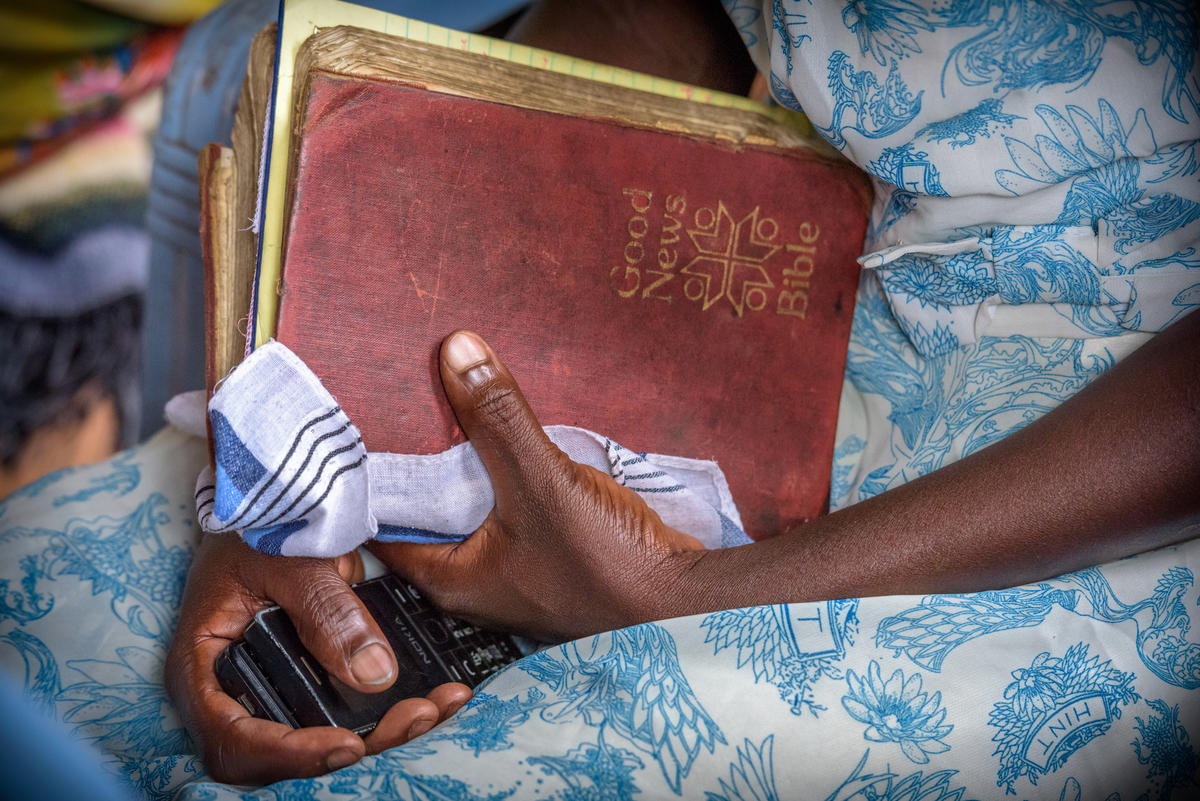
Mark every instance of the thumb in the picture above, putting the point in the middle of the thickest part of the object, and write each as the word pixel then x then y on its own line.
pixel 495 417
pixel 334 625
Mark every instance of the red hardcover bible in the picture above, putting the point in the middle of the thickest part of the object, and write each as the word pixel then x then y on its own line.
pixel 681 294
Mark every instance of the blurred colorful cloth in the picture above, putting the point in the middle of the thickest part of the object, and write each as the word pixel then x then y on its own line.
pixel 66 65
pixel 79 98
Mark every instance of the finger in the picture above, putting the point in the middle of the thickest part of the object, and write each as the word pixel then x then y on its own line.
pixel 241 749
pixel 407 719
pixel 350 567
pixel 450 698
pixel 430 566
pixel 335 626
pixel 256 751
pixel 414 716
pixel 445 573
pixel 493 413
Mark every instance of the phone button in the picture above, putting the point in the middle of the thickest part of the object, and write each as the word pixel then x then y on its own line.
pixel 436 631
pixel 408 597
pixel 247 701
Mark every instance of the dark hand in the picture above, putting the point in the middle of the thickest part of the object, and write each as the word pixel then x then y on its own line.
pixel 566 551
pixel 230 582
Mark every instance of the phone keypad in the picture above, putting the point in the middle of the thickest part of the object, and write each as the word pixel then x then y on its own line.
pixel 274 676
pixel 470 654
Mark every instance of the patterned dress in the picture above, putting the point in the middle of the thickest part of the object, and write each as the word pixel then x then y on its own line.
pixel 1036 220
pixel 1037 211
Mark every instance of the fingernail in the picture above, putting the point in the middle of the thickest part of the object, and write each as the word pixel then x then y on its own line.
pixel 419 727
pixel 371 664
pixel 464 351
pixel 340 758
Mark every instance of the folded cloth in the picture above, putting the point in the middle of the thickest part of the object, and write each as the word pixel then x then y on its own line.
pixel 1034 281
pixel 293 476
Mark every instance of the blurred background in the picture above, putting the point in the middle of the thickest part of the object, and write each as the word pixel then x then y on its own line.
pixel 104 107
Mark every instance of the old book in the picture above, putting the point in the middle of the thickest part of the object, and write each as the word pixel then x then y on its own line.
pixel 248 153
pixel 217 181
pixel 215 178
pixel 228 183
pixel 678 277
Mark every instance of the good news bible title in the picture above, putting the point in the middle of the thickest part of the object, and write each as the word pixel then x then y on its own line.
pixel 680 285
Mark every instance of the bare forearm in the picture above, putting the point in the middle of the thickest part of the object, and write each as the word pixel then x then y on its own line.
pixel 1112 472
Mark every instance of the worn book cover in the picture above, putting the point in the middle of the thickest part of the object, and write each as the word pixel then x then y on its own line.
pixel 216 179
pixel 679 281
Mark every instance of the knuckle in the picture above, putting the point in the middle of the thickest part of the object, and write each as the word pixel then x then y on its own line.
pixel 182 673
pixel 449 599
pixel 215 766
pixel 455 604
pixel 216 762
pixel 498 405
pixel 226 764
pixel 440 596
pixel 329 609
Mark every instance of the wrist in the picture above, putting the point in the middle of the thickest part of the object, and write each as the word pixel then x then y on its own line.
pixel 787 568
pixel 687 583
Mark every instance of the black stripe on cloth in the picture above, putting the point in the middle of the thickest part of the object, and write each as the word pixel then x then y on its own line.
pixel 332 479
pixel 655 474
pixel 291 450
pixel 317 477
pixel 312 449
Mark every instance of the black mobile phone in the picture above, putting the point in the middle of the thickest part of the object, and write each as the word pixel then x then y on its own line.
pixel 275 677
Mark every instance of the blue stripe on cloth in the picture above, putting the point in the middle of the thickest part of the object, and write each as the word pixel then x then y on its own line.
pixel 270 540
pixel 731 535
pixel 234 459
pixel 389 533
pixel 226 496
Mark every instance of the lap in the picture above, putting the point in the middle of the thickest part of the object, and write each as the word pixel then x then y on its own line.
pixel 1086 681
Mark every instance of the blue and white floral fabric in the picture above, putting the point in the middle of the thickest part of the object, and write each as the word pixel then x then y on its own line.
pixel 1082 687
pixel 1037 210
pixel 1036 220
